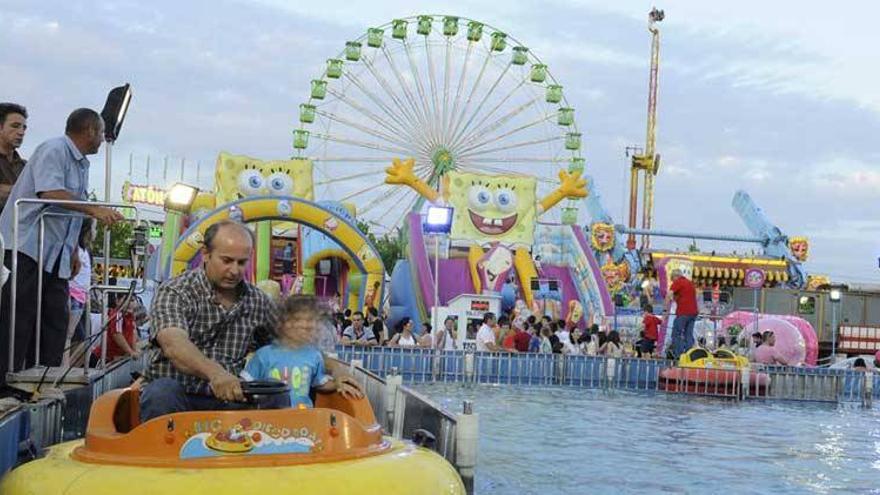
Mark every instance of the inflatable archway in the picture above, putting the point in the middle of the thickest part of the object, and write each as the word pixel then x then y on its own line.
pixel 364 256
pixel 310 266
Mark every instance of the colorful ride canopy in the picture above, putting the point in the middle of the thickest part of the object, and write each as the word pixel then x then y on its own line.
pixel 363 254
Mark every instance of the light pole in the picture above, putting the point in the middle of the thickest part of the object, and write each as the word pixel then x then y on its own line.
pixel 834 294
pixel 438 221
pixel 113 114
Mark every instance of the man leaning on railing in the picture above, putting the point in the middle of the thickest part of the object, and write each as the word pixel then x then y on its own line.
pixel 57 170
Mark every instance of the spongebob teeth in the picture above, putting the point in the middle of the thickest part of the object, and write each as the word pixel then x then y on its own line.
pixel 498 222
pixel 487 221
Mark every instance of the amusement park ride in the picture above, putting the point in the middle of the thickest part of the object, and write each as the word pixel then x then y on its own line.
pixel 453 112
pixel 425 111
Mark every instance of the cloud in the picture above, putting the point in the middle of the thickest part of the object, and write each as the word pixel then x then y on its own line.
pixel 845 175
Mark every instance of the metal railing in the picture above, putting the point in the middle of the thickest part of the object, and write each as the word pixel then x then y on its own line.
pixel 403 412
pixel 627 373
pixel 40 242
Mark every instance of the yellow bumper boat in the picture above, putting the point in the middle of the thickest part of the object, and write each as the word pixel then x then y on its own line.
pixel 335 448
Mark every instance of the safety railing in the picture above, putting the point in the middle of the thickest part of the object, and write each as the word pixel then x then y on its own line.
pixel 626 373
pixel 48 209
pixel 405 413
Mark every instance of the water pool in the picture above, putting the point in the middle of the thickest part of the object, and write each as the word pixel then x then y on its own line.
pixel 568 441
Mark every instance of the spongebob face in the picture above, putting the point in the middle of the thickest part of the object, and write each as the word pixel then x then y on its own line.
pixel 240 177
pixel 602 236
pixel 492 208
pixel 800 248
pixel 615 275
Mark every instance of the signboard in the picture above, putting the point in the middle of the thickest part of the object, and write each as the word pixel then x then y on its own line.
pixel 148 195
pixel 479 305
pixel 754 278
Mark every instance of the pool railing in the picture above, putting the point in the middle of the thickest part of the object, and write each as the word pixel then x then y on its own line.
pixel 421 365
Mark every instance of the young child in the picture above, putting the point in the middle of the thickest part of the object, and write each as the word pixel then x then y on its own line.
pixel 652 330
pixel 294 357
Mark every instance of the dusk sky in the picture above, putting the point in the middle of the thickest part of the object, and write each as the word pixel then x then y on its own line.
pixel 776 98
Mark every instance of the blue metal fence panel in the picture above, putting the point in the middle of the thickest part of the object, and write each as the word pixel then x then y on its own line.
pixel 591 372
pixel 14 428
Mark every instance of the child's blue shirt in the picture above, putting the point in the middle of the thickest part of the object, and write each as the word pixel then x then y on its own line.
pixel 302 368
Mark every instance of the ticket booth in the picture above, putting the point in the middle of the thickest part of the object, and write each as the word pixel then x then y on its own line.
pixel 469 309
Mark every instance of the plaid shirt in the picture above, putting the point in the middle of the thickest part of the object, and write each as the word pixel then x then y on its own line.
pixel 223 335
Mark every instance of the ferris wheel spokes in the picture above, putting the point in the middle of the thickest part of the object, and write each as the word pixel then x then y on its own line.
pixel 458 134
pixel 366 112
pixel 460 117
pixel 521 144
pixel 363 128
pixel 461 78
pixel 431 124
pixel 473 142
pixel 494 109
pixel 406 128
pixel 410 97
pixel 361 144
pixel 431 77
pixel 413 118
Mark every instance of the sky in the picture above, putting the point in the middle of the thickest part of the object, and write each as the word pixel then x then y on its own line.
pixel 776 98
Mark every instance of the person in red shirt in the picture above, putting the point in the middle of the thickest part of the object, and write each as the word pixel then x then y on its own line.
pixel 522 337
pixel 651 324
pixel 506 334
pixel 121 336
pixel 685 295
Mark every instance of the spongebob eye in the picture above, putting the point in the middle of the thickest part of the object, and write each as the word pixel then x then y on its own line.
pixel 479 198
pixel 505 200
pixel 280 184
pixel 250 182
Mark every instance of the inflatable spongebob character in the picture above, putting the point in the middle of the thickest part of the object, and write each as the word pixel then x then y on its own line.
pixel 238 177
pixel 615 275
pixel 492 210
pixel 814 282
pixel 800 248
pixel 602 237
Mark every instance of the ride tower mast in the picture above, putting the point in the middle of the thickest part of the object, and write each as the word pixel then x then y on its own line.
pixel 649 161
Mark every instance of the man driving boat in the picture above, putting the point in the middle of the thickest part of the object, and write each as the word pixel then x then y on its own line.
pixel 204 323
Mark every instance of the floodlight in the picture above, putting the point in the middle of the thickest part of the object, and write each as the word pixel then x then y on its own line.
pixel 180 197
pixel 439 219
pixel 114 111
pixel 834 294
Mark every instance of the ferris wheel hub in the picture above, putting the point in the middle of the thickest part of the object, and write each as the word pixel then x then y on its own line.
pixel 443 160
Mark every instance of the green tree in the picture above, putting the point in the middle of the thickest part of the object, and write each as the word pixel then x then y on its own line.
pixel 120 240
pixel 390 246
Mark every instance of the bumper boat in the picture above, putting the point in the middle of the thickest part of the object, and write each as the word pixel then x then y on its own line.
pixel 700 371
pixel 335 448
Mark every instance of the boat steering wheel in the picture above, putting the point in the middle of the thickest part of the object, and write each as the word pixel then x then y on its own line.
pixel 256 390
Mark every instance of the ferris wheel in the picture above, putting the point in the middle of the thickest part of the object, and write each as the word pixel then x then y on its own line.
pixel 450 92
